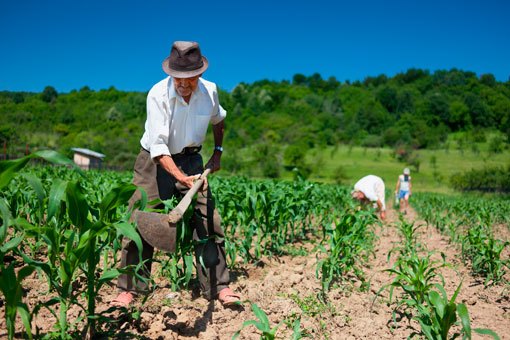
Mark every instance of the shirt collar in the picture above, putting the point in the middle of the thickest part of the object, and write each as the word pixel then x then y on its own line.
pixel 173 94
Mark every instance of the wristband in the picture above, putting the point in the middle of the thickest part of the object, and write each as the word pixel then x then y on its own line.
pixel 218 148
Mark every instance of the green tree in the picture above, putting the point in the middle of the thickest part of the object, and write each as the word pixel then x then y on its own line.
pixel 49 94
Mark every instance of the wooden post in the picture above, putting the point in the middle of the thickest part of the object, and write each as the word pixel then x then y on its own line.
pixel 27 151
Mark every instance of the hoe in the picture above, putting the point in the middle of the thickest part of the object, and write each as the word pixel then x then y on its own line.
pixel 159 230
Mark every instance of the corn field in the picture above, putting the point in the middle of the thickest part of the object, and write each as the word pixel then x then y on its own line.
pixel 63 228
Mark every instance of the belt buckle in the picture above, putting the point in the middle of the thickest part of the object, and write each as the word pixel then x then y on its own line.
pixel 192 149
pixel 189 150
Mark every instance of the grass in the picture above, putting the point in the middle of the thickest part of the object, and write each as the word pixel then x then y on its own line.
pixel 459 153
pixel 356 162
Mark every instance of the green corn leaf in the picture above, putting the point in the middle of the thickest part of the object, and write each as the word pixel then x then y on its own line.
pixel 36 184
pixel 259 325
pixel 128 230
pixel 56 196
pixel 6 218
pixel 245 324
pixel 25 272
pixel 464 319
pixel 296 328
pixel 25 318
pixel 11 244
pixel 437 302
pixel 83 241
pixel 427 330
pixel 188 260
pixel 454 297
pixel 9 169
pixel 108 276
pixel 261 315
pixel 78 208
pixel 485 331
pixel 23 224
pixel 42 265
pixel 7 277
pixel 118 196
pixel 56 158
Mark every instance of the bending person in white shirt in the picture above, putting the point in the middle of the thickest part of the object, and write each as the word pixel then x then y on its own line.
pixel 371 189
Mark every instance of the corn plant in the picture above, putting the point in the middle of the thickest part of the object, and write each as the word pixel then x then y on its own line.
pixel 439 314
pixel 313 305
pixel 349 240
pixel 12 289
pixel 477 215
pixel 262 217
pixel 76 232
pixel 81 248
pixel 10 282
pixel 469 209
pixel 415 276
pixel 262 323
pixel 484 252
pixel 410 244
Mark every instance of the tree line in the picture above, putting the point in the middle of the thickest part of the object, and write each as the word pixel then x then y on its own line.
pixel 277 120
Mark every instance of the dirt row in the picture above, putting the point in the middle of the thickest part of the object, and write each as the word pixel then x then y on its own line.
pixel 286 290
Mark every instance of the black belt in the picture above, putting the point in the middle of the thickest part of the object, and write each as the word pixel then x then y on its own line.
pixel 190 150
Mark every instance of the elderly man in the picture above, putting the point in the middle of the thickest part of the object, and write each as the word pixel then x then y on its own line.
pixel 179 111
pixel 371 189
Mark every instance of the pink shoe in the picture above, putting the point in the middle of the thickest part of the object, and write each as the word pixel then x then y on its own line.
pixel 227 297
pixel 124 299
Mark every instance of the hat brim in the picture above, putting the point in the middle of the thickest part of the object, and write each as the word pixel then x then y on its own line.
pixel 182 74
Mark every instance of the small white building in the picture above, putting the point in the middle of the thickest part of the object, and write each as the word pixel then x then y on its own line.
pixel 87 159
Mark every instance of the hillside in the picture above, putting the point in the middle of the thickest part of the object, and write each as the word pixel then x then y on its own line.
pixel 273 127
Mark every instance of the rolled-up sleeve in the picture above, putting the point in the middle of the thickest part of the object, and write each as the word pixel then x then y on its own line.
pixel 157 127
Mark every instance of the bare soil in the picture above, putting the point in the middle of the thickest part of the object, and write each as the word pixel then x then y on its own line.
pixel 286 288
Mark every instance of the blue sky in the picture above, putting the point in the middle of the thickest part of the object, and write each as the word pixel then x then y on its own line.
pixel 121 43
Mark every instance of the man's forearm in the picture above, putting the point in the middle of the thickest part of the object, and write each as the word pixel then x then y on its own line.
pixel 218 131
pixel 168 164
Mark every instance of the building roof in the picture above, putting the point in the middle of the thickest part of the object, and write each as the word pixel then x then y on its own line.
pixel 88 152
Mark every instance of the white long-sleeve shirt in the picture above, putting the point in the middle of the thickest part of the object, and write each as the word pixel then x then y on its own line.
pixel 373 188
pixel 172 124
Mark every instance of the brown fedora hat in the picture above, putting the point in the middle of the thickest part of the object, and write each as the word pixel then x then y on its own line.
pixel 185 60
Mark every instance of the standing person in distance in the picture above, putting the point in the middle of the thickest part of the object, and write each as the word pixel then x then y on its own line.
pixel 179 111
pixel 403 189
pixel 371 189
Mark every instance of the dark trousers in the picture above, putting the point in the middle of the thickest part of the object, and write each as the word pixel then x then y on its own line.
pixel 205 221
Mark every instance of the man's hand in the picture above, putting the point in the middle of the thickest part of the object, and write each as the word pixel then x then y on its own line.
pixel 188 181
pixel 168 164
pixel 215 162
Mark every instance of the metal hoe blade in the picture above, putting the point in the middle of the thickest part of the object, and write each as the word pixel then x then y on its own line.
pixel 157 230
pixel 160 230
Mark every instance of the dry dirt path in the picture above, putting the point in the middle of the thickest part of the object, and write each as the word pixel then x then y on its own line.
pixel 278 285
pixel 286 288
pixel 489 307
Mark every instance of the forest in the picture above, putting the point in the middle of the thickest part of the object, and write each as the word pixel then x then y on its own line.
pixel 274 121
